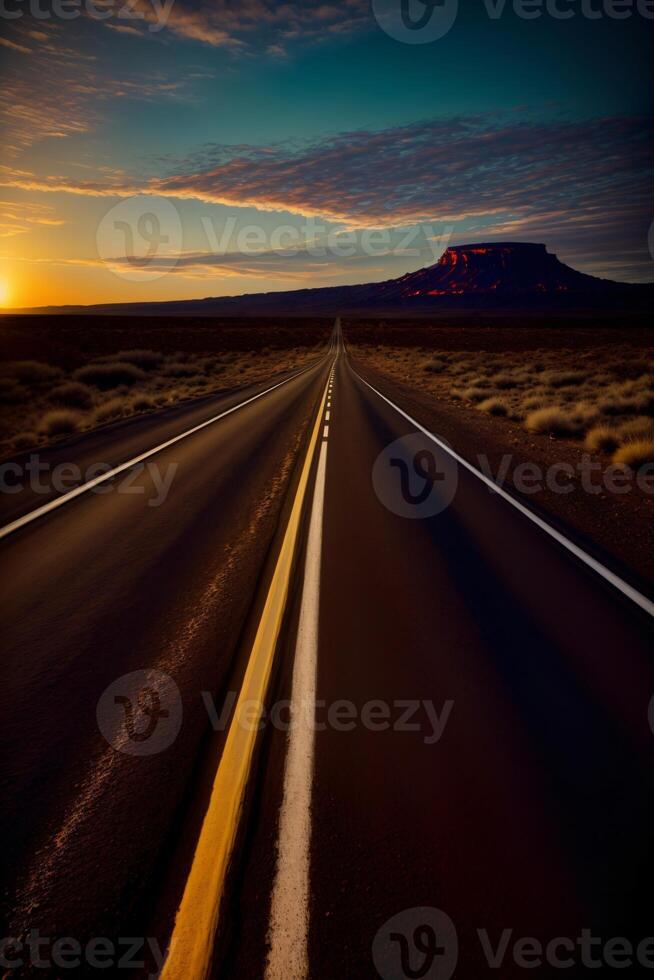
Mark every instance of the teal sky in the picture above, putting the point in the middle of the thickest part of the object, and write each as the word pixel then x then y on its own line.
pixel 268 114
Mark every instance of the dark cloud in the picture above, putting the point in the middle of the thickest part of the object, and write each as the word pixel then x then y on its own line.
pixel 585 187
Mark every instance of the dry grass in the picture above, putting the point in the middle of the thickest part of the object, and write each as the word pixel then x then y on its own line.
pixel 142 403
pixel 602 396
pixel 144 359
pixel 72 394
pixel 59 423
pixel 605 438
pixel 24 440
pixel 494 406
pixel 31 372
pixel 12 392
pixel 109 375
pixel 42 402
pixel 554 421
pixel 636 453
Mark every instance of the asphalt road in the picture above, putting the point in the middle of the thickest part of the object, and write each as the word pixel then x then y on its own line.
pixel 112 583
pixel 477 757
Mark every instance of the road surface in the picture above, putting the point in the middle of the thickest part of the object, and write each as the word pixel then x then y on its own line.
pixel 448 733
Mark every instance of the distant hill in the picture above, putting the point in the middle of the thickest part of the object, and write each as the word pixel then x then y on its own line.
pixel 493 275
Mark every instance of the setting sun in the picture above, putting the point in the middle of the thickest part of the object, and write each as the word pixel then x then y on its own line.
pixel 5 293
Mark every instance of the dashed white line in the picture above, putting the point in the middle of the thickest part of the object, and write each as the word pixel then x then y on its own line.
pixel 289 914
pixel 325 432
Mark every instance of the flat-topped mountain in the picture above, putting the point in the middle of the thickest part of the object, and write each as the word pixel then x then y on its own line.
pixel 495 268
pixel 485 275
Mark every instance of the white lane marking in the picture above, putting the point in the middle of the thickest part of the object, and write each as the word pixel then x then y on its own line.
pixel 288 929
pixel 325 432
pixel 327 414
pixel 85 487
pixel 627 590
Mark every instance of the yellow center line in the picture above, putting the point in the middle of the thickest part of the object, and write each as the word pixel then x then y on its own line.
pixel 192 942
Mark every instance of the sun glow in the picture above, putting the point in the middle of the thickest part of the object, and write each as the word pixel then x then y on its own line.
pixel 5 293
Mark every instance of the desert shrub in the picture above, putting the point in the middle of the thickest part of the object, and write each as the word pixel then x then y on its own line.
pixel 584 412
pixel 25 440
pixel 12 392
pixel 635 453
pixel 144 359
pixel 617 403
pixel 72 394
pixel 60 422
pixel 142 403
pixel 554 420
pixel 631 369
pixel 562 379
pixel 505 382
pixel 109 375
pixel 494 406
pixel 435 366
pixel 113 408
pixel 535 401
pixel 474 394
pixel 603 437
pixel 31 372
pixel 178 369
pixel 635 428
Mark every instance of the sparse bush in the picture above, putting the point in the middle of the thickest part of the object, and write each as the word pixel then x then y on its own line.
pixel 631 369
pixel 11 392
pixel 142 403
pixel 562 379
pixel 494 406
pixel 24 440
pixel 178 369
pixel 553 421
pixel 109 375
pixel 474 394
pixel 112 409
pixel 144 359
pixel 534 402
pixel 31 372
pixel 603 437
pixel 622 404
pixel 60 422
pixel 505 382
pixel 635 453
pixel 73 394
pixel 635 428
pixel 435 366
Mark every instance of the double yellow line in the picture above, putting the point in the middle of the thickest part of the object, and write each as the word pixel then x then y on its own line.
pixel 192 942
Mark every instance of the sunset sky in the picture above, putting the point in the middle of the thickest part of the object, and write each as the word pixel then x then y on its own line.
pixel 251 131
